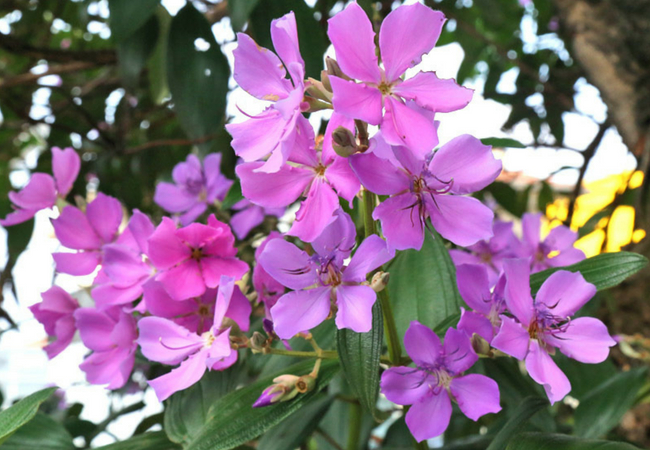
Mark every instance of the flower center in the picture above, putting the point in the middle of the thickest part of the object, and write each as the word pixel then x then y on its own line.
pixel 320 170
pixel 208 339
pixel 385 88
pixel 197 254
pixel 204 310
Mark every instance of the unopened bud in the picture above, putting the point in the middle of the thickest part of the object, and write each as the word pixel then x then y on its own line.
pixel 379 281
pixel 325 80
pixel 344 142
pixel 305 383
pixel 257 342
pixel 333 68
pixel 283 390
pixel 314 104
pixel 480 345
pixel 317 89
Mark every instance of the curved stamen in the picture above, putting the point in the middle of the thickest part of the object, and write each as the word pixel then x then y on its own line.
pixel 160 339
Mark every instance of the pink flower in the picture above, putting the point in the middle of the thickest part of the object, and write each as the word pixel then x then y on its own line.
pixel 55 312
pixel 196 187
pixel 280 129
pixel 110 333
pixel 164 341
pixel 406 35
pixel 42 190
pixel 194 258
pixel 268 289
pixel 86 233
pixel 542 324
pixel 250 215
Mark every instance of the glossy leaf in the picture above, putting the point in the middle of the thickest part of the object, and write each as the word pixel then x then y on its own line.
pixel 360 354
pixel 156 440
pixel 544 441
pixel 502 142
pixel 528 408
pixel 128 15
pixel 422 285
pixel 40 433
pixel 604 271
pixel 240 11
pixel 231 421
pixel 134 51
pixel 157 64
pixel 14 417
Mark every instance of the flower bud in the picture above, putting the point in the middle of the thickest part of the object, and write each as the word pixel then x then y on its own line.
pixel 344 142
pixel 257 342
pixel 283 390
pixel 480 345
pixel 333 68
pixel 317 89
pixel 305 383
pixel 379 281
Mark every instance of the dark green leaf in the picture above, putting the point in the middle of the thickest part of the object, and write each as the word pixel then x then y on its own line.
pixel 398 437
pixel 296 428
pixel 156 440
pixel 604 271
pixel 502 143
pixel 513 201
pixel 40 433
pixel 451 321
pixel 422 285
pixel 602 409
pixel 232 421
pixel 233 196
pixel 17 415
pixel 133 51
pixel 239 11
pixel 360 354
pixel 547 441
pixel 148 422
pixel 157 64
pixel 528 408
pixel 585 378
pixel 197 75
pixel 128 15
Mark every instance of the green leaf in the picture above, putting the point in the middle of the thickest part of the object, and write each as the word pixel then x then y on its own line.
pixel 40 433
pixel 502 142
pixel 545 196
pixel 296 428
pixel 528 408
pixel 17 415
pixel 186 412
pixel 233 196
pixel 239 11
pixel 232 421
pixel 441 328
pixel 197 74
pixel 133 51
pixel 128 15
pixel 156 440
pixel 360 354
pixel 604 271
pixel 422 285
pixel 603 408
pixel 157 64
pixel 548 441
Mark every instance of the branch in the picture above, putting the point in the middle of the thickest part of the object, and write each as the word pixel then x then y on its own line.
pixel 169 142
pixel 16 46
pixel 29 77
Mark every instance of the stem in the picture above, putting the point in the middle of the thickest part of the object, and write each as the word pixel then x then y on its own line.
pixel 368 207
pixel 325 354
pixel 355 426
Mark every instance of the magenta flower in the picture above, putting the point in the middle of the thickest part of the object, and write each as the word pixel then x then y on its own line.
pixel 543 324
pixel 420 188
pixel 55 312
pixel 474 287
pixel 322 281
pixel 87 233
pixel 268 289
pixel 319 176
pixel 196 187
pixel 556 250
pixel 191 259
pixel 169 343
pixel 250 215
pixel 382 97
pixel 491 252
pixel 42 189
pixel 281 129
pixel 110 333
pixel 437 377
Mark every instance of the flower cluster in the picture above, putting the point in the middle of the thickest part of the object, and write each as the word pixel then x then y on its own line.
pixel 182 292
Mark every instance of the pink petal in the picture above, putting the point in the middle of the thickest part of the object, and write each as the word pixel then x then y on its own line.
pixel 337 120
pixel 273 190
pixel 196 235
pixel 245 220
pixel 422 345
pixel 213 268
pixel 18 216
pixel 165 248
pixel 258 71
pixel 459 354
pixel 183 281
pixel 402 125
pixel 342 178
pixel 474 286
pixel 219 350
pixel 586 340
pixel 517 293
pixel 338 238
pixel 566 257
pixel 189 372
pixel 288 264
pixel 65 166
pixel 112 367
pixel 173 199
pixel 564 293
pixel 433 93
pixel 315 211
pixel 64 332
pixel 400 222
pixel 74 231
pixel 560 237
pixel 109 295
pixel 351 34
pixel 371 254
pixel 159 303
pixel 258 136
pixel 406 34
pixel 40 193
pixel 123 266
pixel 544 371
pixel 476 395
pixel 355 307
pixel 449 217
pixel 216 183
pixel 404 385
pixel 239 309
pixel 81 263
pixel 473 323
pixel 95 328
pixel 56 299
pixel 300 311
pixel 531 226
pixel 467 163
pixel 356 100
pixel 164 341
pixel 430 416
pixel 379 175
pixel 105 215
pixel 512 338
pixel 284 34
pixel 141 228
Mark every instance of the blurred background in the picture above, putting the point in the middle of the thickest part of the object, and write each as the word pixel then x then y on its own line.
pixel 563 87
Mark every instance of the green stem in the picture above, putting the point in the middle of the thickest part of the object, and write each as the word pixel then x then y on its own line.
pixel 368 207
pixel 325 354
pixel 354 430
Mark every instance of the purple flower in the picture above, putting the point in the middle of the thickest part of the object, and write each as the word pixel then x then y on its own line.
pixel 110 333
pixel 406 35
pixel 436 377
pixel 556 250
pixel 42 190
pixel 268 289
pixel 169 343
pixel 196 187
pixel 420 188
pixel 319 176
pixel 194 258
pixel 280 129
pixel 55 312
pixel 543 324
pixel 322 281
pixel 490 253
pixel 474 287
pixel 87 233
pixel 250 215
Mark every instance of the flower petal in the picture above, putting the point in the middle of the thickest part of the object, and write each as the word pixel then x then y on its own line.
pixel 476 395
pixel 78 264
pixel 544 371
pixel 405 126
pixel 586 340
pixel 355 307
pixel 430 416
pixel 342 178
pixel 165 248
pixel 300 311
pixel 371 254
pixel 74 231
pixel 245 220
pixel 433 93
pixel 40 193
pixel 473 323
pixel 213 268
pixel 449 215
pixel 379 175
pixel 512 338
pixel 164 341
pixel 105 215
pixel 65 167
pixel 459 354
pixel 172 198
pixel 422 345
pixel 189 372
pixel 337 239
pixel 564 293
pixel 95 328
pixel 183 281
pixel 404 385
pixel 474 286
pixel 288 264
pixel 284 34
pixel 315 212
pixel 273 190
pixel 517 293
pixel 356 100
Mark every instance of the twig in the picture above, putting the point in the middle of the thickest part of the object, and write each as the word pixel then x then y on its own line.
pixel 16 46
pixel 169 142
pixel 29 77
